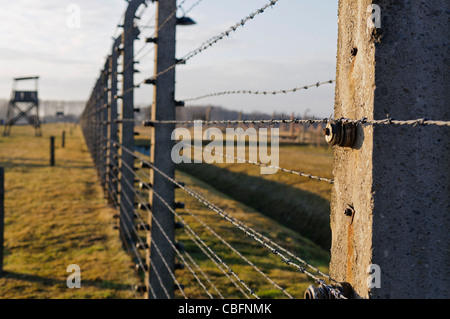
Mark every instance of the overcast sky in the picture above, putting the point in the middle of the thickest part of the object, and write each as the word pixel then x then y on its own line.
pixel 290 45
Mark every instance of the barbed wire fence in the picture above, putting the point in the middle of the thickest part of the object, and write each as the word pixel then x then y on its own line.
pixel 137 186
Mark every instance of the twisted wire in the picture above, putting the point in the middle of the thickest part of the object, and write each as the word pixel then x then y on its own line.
pixel 168 270
pixel 161 284
pixel 234 92
pixel 204 274
pixel 207 254
pixel 239 254
pixel 363 121
pixel 192 7
pixel 209 43
pixel 114 199
pixel 318 178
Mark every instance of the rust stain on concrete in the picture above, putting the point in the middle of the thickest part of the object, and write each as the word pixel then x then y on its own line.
pixel 349 264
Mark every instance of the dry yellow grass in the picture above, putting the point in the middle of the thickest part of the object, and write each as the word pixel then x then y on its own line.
pixel 56 216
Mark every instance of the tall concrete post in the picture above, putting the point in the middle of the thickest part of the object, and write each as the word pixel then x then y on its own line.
pixel 104 105
pixel 52 151
pixel 127 124
pixel 291 127
pixel 161 146
pixel 112 117
pixel 390 198
pixel 97 120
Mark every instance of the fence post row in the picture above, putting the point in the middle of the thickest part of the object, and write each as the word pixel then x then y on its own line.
pixel 126 136
pixel 99 123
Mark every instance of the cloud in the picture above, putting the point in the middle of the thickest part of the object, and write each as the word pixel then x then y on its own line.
pixel 292 44
pixel 39 41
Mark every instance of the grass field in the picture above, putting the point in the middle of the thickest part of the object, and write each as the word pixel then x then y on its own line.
pixel 300 203
pixel 58 216
pixel 286 276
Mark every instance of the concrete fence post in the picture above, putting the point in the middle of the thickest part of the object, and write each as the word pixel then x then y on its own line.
pixel 104 105
pixel 52 151
pixel 98 129
pixel 390 200
pixel 127 121
pixel 161 145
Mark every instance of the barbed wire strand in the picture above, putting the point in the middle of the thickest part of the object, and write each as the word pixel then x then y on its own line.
pixel 114 199
pixel 138 216
pixel 285 170
pixel 203 274
pixel 238 253
pixel 232 280
pixel 154 34
pixel 209 43
pixel 362 121
pixel 234 92
pixel 220 260
pixel 169 271
pixel 161 284
pixel 192 7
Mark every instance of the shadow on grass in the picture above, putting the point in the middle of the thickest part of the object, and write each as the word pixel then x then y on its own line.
pixel 302 211
pixel 42 163
pixel 101 284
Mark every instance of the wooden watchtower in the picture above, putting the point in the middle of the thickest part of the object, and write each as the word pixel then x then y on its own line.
pixel 23 104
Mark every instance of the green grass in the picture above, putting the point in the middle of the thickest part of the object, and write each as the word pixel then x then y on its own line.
pixel 56 216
